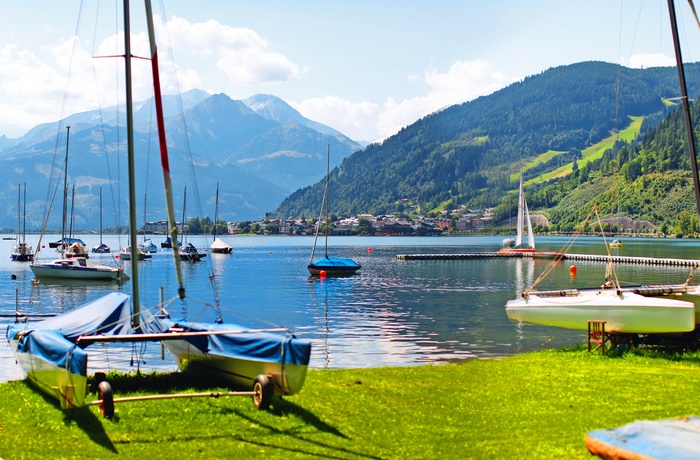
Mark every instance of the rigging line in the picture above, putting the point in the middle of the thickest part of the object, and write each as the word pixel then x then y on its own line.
pixel 115 206
pixel 559 256
pixel 188 148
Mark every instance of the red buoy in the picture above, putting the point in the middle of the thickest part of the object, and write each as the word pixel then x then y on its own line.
pixel 369 250
pixel 322 274
pixel 572 270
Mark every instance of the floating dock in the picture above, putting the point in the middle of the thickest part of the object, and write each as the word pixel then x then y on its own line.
pixel 549 255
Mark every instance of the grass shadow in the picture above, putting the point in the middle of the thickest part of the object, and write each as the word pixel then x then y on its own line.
pixel 83 417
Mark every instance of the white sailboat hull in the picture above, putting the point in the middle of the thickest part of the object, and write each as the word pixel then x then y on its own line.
pixel 288 378
pixel 72 269
pixel 623 312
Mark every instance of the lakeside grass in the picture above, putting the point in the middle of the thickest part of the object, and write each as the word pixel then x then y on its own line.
pixel 536 405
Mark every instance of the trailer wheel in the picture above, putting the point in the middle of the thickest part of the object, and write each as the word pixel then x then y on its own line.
pixel 262 389
pixel 106 399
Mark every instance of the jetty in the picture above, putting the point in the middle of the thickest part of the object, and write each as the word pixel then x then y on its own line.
pixel 550 255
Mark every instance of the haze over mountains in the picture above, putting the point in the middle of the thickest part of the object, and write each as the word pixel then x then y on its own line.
pixel 259 150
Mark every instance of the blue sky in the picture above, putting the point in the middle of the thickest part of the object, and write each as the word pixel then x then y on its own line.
pixel 366 68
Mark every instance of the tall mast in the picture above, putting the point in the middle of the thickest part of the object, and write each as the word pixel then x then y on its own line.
pixel 19 196
pixel 100 215
pixel 65 195
pixel 328 178
pixel 132 169
pixel 164 161
pixel 685 103
pixel 24 216
pixel 216 208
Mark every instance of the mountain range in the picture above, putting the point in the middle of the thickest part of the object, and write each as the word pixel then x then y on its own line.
pixel 258 150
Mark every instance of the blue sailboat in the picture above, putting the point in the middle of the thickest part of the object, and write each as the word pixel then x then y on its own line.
pixel 329 266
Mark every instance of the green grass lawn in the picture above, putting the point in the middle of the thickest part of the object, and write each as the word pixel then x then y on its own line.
pixel 536 405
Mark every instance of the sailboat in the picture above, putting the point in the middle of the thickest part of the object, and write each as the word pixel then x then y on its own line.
pixel 516 247
pixel 218 246
pixel 21 250
pixel 270 361
pixel 101 248
pixel 329 266
pixel 188 251
pixel 147 245
pixel 78 266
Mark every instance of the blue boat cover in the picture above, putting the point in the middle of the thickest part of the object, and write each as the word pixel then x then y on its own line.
pixel 677 439
pixel 52 347
pixel 108 315
pixel 335 263
pixel 263 346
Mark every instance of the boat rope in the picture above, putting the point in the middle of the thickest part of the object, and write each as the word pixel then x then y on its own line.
pixel 548 269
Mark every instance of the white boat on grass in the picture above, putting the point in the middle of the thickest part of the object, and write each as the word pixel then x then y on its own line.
pixel 622 310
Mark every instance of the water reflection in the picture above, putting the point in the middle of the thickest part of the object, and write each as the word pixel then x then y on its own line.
pixel 393 312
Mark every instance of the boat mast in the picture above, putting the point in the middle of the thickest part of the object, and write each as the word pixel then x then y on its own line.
pixel 24 216
pixel 184 206
pixel 164 161
pixel 65 195
pixel 685 104
pixel 328 178
pixel 216 209
pixel 131 169
pixel 100 214
pixel 19 195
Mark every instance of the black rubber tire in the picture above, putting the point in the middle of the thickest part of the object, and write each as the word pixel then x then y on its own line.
pixel 106 399
pixel 263 389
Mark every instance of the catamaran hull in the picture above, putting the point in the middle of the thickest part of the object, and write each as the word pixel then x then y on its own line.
pixel 288 378
pixel 624 312
pixel 66 382
pixel 80 273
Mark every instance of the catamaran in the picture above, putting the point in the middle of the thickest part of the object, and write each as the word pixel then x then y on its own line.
pixel 268 361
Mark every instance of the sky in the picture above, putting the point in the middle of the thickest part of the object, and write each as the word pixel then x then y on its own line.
pixel 366 68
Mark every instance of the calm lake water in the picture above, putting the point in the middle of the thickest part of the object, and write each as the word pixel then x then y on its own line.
pixel 391 313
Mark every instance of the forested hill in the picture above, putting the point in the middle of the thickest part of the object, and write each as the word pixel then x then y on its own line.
pixel 468 154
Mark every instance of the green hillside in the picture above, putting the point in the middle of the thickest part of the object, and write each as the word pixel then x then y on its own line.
pixel 547 126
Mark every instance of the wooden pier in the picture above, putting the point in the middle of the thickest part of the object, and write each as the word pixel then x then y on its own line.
pixel 574 257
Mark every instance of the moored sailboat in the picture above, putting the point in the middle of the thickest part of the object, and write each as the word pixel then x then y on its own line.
pixel 21 250
pixel 330 266
pixel 101 248
pixel 75 264
pixel 523 223
pixel 218 246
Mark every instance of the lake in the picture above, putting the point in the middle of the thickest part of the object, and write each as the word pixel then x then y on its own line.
pixel 392 313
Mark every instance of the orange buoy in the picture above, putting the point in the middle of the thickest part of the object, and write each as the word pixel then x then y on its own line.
pixel 572 270
pixel 322 274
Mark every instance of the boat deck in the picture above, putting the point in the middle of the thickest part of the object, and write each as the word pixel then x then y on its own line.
pixel 549 255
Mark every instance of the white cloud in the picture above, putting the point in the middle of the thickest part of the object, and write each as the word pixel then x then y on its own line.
pixel 243 55
pixel 642 61
pixel 463 81
pixel 356 120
